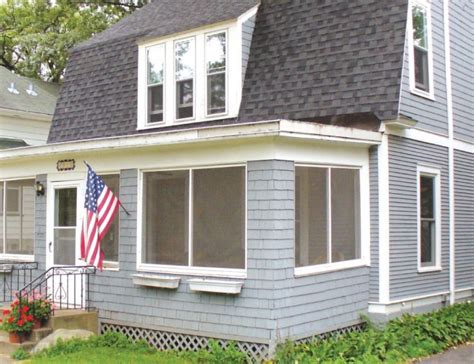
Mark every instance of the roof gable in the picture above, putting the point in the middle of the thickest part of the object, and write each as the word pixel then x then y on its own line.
pixel 166 17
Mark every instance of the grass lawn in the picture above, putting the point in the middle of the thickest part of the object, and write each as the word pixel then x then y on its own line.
pixel 110 355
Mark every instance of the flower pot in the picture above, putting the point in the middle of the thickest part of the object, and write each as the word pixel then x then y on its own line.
pixel 36 324
pixel 15 337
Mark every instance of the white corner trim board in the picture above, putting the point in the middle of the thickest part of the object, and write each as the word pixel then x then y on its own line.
pixel 215 286
pixel 158 281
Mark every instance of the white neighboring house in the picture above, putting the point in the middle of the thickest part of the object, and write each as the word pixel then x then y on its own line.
pixel 26 109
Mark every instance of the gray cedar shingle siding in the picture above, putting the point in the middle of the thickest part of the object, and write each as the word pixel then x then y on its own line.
pixel 308 60
pixel 404 156
pixel 464 205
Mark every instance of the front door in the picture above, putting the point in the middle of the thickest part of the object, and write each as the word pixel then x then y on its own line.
pixel 62 245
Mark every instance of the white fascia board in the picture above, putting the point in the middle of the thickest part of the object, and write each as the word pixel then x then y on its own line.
pixel 275 128
pixel 26 115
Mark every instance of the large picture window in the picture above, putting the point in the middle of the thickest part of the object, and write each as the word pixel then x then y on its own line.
pixel 17 217
pixel 327 228
pixel 421 48
pixel 429 234
pixel 194 218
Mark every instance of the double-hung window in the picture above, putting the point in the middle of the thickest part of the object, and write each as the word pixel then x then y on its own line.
pixel 185 59
pixel 421 49
pixel 194 221
pixel 429 216
pixel 216 63
pixel 328 221
pixel 17 217
pixel 155 83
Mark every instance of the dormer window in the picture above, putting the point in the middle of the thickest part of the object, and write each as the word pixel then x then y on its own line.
pixel 156 78
pixel 216 61
pixel 421 59
pixel 185 58
pixel 193 77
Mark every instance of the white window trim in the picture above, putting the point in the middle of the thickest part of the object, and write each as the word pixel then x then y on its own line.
pixel 233 31
pixel 364 260
pixel 187 270
pixel 175 81
pixel 226 74
pixel 436 174
pixel 3 254
pixel 411 56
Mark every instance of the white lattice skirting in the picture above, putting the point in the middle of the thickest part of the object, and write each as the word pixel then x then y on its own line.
pixel 163 340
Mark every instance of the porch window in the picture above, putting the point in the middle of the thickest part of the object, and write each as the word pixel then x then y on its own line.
pixel 327 215
pixel 17 217
pixel 194 218
pixel 110 243
pixel 421 48
pixel 429 219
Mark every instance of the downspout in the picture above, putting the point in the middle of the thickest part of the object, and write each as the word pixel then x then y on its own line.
pixel 449 102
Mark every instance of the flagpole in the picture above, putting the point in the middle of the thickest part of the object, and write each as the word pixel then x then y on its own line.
pixel 120 203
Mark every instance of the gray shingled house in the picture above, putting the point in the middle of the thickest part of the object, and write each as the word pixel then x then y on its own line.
pixel 287 166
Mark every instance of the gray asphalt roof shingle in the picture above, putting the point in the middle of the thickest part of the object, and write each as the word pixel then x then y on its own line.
pixel 313 60
pixel 43 103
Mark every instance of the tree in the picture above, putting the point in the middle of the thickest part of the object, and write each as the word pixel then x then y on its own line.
pixel 36 35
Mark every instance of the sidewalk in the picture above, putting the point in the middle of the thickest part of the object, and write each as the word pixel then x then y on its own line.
pixel 460 355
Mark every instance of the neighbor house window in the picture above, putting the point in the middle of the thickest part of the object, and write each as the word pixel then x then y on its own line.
pixel 155 82
pixel 194 218
pixel 428 219
pixel 421 47
pixel 216 45
pixel 110 243
pixel 327 215
pixel 17 217
pixel 185 60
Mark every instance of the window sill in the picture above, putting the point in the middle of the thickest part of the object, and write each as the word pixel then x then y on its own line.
pixel 331 267
pixel 16 258
pixel 423 94
pixel 429 269
pixel 111 266
pixel 193 271
pixel 215 286
pixel 157 281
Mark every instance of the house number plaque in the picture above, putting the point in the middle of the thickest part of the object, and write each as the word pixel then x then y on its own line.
pixel 65 165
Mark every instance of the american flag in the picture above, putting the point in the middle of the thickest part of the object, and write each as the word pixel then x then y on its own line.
pixel 100 208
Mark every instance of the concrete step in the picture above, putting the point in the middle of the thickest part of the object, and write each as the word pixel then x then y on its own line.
pixel 38 334
pixel 7 348
pixel 74 319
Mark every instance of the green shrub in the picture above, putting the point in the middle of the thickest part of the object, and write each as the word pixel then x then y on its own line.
pixel 410 336
pixel 20 354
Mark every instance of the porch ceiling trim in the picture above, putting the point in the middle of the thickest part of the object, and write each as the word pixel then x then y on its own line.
pixel 272 128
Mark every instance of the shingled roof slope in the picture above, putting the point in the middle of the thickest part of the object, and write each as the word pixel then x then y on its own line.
pixel 164 17
pixel 310 60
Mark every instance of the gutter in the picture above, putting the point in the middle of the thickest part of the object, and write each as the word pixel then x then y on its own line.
pixel 273 128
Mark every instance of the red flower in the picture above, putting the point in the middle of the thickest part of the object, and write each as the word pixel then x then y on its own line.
pixel 25 309
pixel 6 312
pixel 29 318
pixel 11 319
pixel 20 323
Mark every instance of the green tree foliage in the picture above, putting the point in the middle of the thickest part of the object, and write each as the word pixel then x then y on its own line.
pixel 36 35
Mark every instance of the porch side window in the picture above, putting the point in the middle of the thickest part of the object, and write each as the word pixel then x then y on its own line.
pixel 428 224
pixel 421 48
pixel 110 243
pixel 17 219
pixel 185 61
pixel 216 49
pixel 195 218
pixel 155 82
pixel 327 215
